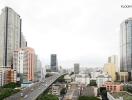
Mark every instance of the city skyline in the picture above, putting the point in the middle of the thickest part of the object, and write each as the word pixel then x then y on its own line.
pixel 78 34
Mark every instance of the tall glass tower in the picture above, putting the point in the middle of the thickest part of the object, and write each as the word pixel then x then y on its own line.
pixel 11 36
pixel 54 64
pixel 126 46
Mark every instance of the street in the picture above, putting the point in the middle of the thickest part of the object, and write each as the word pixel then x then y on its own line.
pixel 31 93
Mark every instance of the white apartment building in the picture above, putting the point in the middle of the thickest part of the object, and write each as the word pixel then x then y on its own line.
pixel 82 79
pixel 67 78
pixel 94 75
pixel 24 63
pixel 102 78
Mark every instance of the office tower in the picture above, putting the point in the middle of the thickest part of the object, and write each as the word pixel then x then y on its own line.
pixel 114 60
pixel 76 68
pixel 24 63
pixel 54 64
pixel 23 42
pixel 37 69
pixel 110 69
pixel 126 47
pixel 11 36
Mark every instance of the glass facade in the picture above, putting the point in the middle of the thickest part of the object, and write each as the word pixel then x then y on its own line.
pixel 126 46
pixel 54 65
pixel 11 36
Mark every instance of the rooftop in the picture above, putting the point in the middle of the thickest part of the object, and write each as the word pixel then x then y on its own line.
pixel 104 76
pixel 124 94
pixel 113 83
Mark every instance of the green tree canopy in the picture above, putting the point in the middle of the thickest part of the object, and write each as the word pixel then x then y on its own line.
pixel 93 83
pixel 48 97
pixel 11 85
pixel 61 79
pixel 63 91
pixel 48 75
pixel 71 73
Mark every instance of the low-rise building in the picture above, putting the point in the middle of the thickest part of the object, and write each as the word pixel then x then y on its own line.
pixel 94 74
pixel 119 95
pixel 56 88
pixel 123 76
pixel 82 79
pixel 67 78
pixel 73 85
pixel 112 86
pixel 101 79
pixel 7 75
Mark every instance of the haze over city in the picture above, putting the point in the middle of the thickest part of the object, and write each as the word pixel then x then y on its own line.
pixel 82 31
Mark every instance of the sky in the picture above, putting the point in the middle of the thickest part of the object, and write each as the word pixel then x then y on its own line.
pixel 78 31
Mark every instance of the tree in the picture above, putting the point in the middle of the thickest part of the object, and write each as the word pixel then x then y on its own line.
pixel 63 91
pixel 72 73
pixel 61 79
pixel 104 93
pixel 48 97
pixel 98 91
pixel 11 85
pixel 127 88
pixel 93 83
pixel 48 75
pixel 5 92
pixel 48 70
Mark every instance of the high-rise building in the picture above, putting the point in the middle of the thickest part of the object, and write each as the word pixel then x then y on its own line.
pixel 37 69
pixel 11 36
pixel 114 60
pixel 54 64
pixel 126 47
pixel 76 68
pixel 110 69
pixel 24 63
pixel 23 42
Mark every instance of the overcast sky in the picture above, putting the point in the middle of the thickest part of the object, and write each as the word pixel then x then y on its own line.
pixel 78 31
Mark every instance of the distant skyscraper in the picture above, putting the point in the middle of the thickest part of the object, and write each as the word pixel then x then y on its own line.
pixel 54 64
pixel 126 46
pixel 76 68
pixel 37 69
pixel 11 36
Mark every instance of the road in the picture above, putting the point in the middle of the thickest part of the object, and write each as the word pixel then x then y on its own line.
pixel 72 94
pixel 87 91
pixel 31 93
